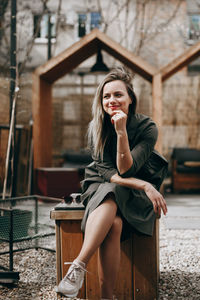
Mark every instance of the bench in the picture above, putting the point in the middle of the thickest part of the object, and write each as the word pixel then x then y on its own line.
pixel 139 269
pixel 185 169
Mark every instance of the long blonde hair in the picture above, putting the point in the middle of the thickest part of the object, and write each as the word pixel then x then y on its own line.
pixel 98 130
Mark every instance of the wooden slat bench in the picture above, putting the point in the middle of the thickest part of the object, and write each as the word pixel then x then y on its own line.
pixel 185 169
pixel 139 269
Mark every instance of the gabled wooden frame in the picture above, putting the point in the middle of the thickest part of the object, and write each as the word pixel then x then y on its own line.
pixel 45 75
pixel 180 62
pixel 165 73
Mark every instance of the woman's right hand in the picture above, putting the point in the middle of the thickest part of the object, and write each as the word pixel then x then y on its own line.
pixel 119 119
pixel 156 198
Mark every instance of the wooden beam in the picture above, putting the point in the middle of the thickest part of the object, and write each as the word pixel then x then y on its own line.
pixel 157 107
pixel 183 60
pixel 42 122
pixel 136 63
pixel 70 58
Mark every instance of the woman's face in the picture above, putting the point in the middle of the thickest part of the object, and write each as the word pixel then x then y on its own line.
pixel 115 97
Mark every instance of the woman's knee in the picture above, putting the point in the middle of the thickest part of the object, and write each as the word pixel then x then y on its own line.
pixel 116 227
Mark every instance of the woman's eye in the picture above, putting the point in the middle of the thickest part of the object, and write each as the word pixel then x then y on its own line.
pixel 118 95
pixel 105 97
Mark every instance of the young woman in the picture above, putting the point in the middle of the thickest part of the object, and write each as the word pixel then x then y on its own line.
pixel 120 189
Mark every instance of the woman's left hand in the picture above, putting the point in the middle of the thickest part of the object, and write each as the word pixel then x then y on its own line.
pixel 156 198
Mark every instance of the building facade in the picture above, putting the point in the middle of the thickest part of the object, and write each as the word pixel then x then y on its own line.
pixel 157 31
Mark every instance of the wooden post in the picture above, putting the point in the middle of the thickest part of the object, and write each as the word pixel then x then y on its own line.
pixel 42 122
pixel 157 107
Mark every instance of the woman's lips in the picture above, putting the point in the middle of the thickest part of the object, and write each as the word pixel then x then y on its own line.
pixel 113 107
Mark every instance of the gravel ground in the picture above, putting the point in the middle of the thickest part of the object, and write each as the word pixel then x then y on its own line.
pixel 179 269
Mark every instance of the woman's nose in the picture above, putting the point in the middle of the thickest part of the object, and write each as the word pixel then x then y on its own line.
pixel 112 99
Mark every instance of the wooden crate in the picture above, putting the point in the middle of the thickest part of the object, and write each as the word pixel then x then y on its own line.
pixel 139 268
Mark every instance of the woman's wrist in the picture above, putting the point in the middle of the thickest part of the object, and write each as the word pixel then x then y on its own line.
pixel 147 186
pixel 121 134
pixel 115 178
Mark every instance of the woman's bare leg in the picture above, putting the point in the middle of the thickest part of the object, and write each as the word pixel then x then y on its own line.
pixel 98 225
pixel 109 259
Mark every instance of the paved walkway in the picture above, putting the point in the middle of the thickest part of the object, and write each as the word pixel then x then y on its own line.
pixel 179 256
pixel 183 211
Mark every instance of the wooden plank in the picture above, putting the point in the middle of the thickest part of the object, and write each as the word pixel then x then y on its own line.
pixel 181 61
pixel 66 214
pixel 146 265
pixel 124 283
pixel 92 279
pixel 71 243
pixel 58 252
pixel 42 122
pixel 157 107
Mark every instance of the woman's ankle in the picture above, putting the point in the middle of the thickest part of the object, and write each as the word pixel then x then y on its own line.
pixel 82 263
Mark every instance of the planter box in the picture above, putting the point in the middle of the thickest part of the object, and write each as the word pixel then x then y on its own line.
pixel 21 222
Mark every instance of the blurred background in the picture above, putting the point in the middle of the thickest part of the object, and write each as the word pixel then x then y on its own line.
pixel 31 33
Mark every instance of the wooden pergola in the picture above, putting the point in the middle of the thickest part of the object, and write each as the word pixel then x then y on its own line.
pixel 45 75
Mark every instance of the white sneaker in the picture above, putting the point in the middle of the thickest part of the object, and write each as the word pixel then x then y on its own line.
pixel 73 280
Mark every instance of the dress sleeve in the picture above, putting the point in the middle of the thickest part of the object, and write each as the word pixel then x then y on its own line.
pixel 106 168
pixel 143 149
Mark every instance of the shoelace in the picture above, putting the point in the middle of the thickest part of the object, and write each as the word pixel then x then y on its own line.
pixel 75 272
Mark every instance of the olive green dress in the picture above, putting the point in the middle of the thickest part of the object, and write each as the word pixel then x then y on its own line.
pixel 134 206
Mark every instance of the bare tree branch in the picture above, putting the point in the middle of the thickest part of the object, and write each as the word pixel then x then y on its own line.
pixel 110 21
pixel 140 27
pixel 32 41
pixel 126 22
pixel 57 22
pixel 166 23
pixel 101 11
pixel 145 36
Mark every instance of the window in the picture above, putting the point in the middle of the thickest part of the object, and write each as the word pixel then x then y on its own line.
pixel 194 27
pixel 82 19
pixel 194 67
pixel 41 26
pixel 87 22
pixel 194 36
pixel 95 20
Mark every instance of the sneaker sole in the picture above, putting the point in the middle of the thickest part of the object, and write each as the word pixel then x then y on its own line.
pixel 67 295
